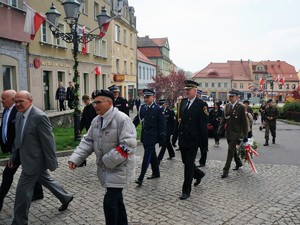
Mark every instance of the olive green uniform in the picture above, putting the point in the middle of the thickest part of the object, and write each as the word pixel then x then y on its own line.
pixel 271 114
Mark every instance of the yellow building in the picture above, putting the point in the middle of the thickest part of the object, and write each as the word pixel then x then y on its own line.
pixel 124 51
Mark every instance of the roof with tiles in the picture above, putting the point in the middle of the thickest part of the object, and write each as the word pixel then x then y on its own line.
pixel 145 42
pixel 240 70
pixel 161 42
pixel 214 70
pixel 151 52
pixel 141 57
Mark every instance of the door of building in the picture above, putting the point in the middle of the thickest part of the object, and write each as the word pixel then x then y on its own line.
pixel 46 90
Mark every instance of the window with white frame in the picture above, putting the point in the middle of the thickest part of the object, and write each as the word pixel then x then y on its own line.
pixel 206 84
pixel 235 85
pixel 125 37
pixel 200 85
pixel 103 48
pixel 46 35
pixel 140 72
pixel 219 84
pixel 84 7
pixel 96 10
pixel 212 84
pixel 59 41
pixel 97 48
pixel 125 67
pixel 118 65
pixel 8 78
pixel 117 33
pixel 241 85
pixel 225 85
pixel 256 77
pixel 144 73
pixel 131 40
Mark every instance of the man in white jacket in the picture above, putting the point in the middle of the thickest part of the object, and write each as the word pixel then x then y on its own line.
pixel 112 136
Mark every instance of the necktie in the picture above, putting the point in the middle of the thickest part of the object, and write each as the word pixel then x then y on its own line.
pixel 187 106
pixel 231 106
pixel 20 128
pixel 4 123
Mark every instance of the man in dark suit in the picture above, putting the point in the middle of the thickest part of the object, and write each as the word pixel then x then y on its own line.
pixel 153 131
pixel 120 103
pixel 7 132
pixel 170 121
pixel 234 122
pixel 191 129
pixel 34 146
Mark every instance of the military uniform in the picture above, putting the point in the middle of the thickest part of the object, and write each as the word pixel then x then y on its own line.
pixel 271 114
pixel 234 122
pixel 191 131
pixel 153 131
pixel 170 121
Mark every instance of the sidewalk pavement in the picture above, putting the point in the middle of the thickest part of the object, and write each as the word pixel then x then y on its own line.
pixel 271 197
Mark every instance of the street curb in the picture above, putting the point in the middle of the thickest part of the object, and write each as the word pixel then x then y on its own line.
pixel 3 162
pixel 289 122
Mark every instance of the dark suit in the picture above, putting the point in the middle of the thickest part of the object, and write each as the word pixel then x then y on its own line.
pixel 8 173
pixel 153 131
pixel 191 130
pixel 36 149
pixel 87 117
pixel 170 121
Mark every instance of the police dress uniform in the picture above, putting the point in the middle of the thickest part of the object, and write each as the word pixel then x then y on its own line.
pixel 204 142
pixel 153 131
pixel 190 129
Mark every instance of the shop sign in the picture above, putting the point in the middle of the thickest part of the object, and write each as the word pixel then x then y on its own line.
pixel 119 77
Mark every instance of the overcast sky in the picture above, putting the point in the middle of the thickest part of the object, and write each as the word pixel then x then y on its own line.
pixel 204 31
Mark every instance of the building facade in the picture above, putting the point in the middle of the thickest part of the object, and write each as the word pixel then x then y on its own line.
pixel 13 46
pixel 146 71
pixel 280 78
pixel 158 51
pixel 124 50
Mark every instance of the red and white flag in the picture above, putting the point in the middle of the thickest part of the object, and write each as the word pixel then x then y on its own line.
pixel 277 79
pixel 282 81
pixel 84 41
pixel 261 82
pixel 104 27
pixel 33 21
pixel 98 70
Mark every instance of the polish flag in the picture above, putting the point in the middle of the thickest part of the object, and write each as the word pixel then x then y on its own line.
pixel 261 82
pixel 33 21
pixel 277 79
pixel 98 70
pixel 282 81
pixel 84 41
pixel 103 28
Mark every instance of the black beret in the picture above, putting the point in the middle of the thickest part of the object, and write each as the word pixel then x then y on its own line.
pixel 114 88
pixel 189 84
pixel 233 92
pixel 246 102
pixel 102 92
pixel 148 92
pixel 270 100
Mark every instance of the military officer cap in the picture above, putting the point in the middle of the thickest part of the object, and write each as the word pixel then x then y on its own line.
pixel 246 102
pixel 105 93
pixel 189 84
pixel 148 92
pixel 162 101
pixel 233 92
pixel 270 100
pixel 114 88
pixel 199 92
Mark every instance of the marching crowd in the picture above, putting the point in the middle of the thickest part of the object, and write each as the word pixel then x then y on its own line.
pixel 26 133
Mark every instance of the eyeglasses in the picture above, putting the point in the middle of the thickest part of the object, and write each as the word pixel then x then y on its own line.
pixel 99 102
pixel 20 101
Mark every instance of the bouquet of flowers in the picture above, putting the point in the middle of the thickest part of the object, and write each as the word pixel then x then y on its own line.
pixel 247 150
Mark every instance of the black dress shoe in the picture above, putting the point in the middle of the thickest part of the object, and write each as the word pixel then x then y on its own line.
pixel 225 174
pixel 139 182
pixel 198 180
pixel 65 206
pixel 37 197
pixel 1 205
pixel 184 196
pixel 170 158
pixel 153 177
pixel 237 167
pixel 201 165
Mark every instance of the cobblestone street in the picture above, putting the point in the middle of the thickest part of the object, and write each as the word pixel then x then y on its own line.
pixel 270 197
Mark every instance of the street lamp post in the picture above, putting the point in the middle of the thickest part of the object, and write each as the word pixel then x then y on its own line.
pixel 270 79
pixel 72 12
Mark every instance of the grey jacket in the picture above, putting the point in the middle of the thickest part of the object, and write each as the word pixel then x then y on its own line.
pixel 115 166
